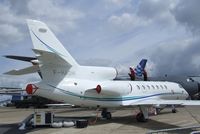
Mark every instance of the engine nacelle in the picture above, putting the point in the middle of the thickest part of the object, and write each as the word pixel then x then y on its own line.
pixel 31 89
pixel 96 73
pixel 114 89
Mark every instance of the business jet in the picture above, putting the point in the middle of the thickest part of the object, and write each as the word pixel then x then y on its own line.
pixel 64 80
pixel 188 83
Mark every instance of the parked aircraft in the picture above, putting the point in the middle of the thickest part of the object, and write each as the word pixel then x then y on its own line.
pixel 137 73
pixel 64 80
pixel 5 99
pixel 188 83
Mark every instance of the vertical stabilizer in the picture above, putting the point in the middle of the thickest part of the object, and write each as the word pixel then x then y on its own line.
pixel 139 70
pixel 55 61
pixel 43 39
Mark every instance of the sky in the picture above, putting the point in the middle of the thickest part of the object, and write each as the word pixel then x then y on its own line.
pixel 116 33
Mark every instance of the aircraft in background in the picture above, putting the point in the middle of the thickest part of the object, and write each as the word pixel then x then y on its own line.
pixel 5 99
pixel 189 84
pixel 64 80
pixel 136 73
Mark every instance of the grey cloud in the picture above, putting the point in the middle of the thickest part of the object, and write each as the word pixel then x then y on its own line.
pixel 187 13
pixel 151 8
pixel 13 15
pixel 19 8
pixel 157 11
pixel 9 34
pixel 177 59
pixel 180 58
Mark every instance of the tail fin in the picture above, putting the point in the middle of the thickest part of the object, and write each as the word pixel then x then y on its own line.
pixel 139 70
pixel 43 39
pixel 54 60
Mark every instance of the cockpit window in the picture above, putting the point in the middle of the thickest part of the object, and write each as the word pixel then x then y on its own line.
pixel 180 86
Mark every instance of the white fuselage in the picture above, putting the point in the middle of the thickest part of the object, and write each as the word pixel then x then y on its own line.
pixel 113 94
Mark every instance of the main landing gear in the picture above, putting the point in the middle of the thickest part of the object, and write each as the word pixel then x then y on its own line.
pixel 174 109
pixel 105 114
pixel 142 116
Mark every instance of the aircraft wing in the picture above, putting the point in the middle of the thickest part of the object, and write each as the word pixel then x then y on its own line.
pixel 21 58
pixel 28 70
pixel 10 90
pixel 167 102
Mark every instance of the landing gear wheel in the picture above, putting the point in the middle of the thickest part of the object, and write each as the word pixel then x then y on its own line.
pixel 108 116
pixel 140 117
pixel 174 111
pixel 105 114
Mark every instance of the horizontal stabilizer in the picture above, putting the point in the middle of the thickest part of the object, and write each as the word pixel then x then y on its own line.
pixel 52 66
pixel 28 70
pixel 22 58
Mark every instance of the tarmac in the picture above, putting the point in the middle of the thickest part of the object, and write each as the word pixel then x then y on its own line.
pixel 123 121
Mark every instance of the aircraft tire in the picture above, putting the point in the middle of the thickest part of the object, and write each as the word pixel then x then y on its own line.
pixel 108 115
pixel 140 117
pixel 174 111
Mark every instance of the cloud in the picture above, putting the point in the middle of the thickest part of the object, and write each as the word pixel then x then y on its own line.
pixel 58 16
pixel 119 3
pixel 9 27
pixel 187 13
pixel 112 30
pixel 9 34
pixel 13 15
pixel 125 21
pixel 157 11
pixel 181 56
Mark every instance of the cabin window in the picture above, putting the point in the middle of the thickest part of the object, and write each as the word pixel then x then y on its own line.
pixel 143 86
pixel 138 87
pixel 157 86
pixel 161 86
pixel 165 86
pixel 152 86
pixel 148 86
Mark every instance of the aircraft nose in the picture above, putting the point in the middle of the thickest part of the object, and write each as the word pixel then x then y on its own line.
pixel 186 94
